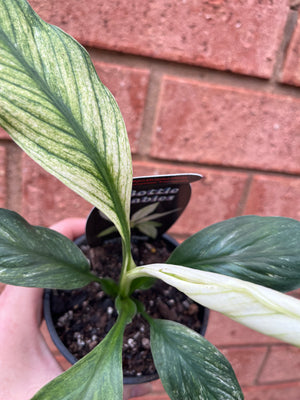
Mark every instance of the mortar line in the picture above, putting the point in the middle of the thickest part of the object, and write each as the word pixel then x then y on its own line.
pixel 244 198
pixel 151 109
pixel 262 365
pixel 288 32
pixel 199 73
pixel 219 167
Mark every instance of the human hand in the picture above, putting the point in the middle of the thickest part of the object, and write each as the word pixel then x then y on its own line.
pixel 26 362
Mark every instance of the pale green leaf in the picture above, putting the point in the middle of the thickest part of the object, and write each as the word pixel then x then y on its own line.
pixel 54 106
pixel 144 212
pixel 34 256
pixel 261 250
pixel 97 376
pixel 260 308
pixel 148 228
pixel 190 367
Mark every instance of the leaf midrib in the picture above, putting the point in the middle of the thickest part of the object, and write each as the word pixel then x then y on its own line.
pixel 66 113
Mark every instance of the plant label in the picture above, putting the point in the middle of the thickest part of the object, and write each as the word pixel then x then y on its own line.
pixel 156 203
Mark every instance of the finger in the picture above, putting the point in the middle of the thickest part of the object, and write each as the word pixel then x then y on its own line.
pixel 70 227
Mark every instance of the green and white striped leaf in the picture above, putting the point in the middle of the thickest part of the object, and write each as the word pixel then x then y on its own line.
pixel 97 376
pixel 54 106
pixel 261 250
pixel 34 256
pixel 190 367
pixel 262 309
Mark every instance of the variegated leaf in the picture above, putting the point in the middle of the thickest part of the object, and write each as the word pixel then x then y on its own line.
pixel 260 308
pixel 54 106
pixel 98 375
pixel 34 256
pixel 190 367
pixel 261 250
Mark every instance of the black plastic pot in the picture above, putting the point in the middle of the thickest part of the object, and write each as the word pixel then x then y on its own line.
pixel 203 315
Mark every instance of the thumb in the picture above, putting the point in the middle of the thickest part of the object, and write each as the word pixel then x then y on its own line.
pixel 70 227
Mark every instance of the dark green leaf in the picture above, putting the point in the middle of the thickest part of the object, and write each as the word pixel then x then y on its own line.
pixel 39 257
pixel 97 376
pixel 262 250
pixel 189 366
pixel 54 106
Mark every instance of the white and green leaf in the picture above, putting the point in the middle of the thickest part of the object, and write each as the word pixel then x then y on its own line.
pixel 190 367
pixel 261 250
pixel 54 106
pixel 262 309
pixel 34 256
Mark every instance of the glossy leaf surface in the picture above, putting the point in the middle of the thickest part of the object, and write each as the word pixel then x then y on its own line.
pixel 34 256
pixel 97 376
pixel 260 308
pixel 189 366
pixel 262 250
pixel 54 106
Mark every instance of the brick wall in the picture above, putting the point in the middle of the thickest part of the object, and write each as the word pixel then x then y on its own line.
pixel 211 87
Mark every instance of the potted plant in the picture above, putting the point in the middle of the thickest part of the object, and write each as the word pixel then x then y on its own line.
pixel 79 319
pixel 54 106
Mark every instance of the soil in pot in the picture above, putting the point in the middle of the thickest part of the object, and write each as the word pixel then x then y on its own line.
pixel 83 317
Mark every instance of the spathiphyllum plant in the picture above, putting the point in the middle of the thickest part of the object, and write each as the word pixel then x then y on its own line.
pixel 55 108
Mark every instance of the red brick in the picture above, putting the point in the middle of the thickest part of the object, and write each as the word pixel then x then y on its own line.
pixel 225 35
pixel 156 392
pixel 246 362
pixel 3 188
pixel 295 293
pixel 283 364
pixel 3 134
pixel 273 392
pixel 45 200
pixel 273 195
pixel 213 199
pixel 291 69
pixel 157 386
pixel 223 331
pixel 129 86
pixel 227 126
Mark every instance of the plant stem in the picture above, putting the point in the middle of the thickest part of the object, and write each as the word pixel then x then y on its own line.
pixel 127 265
